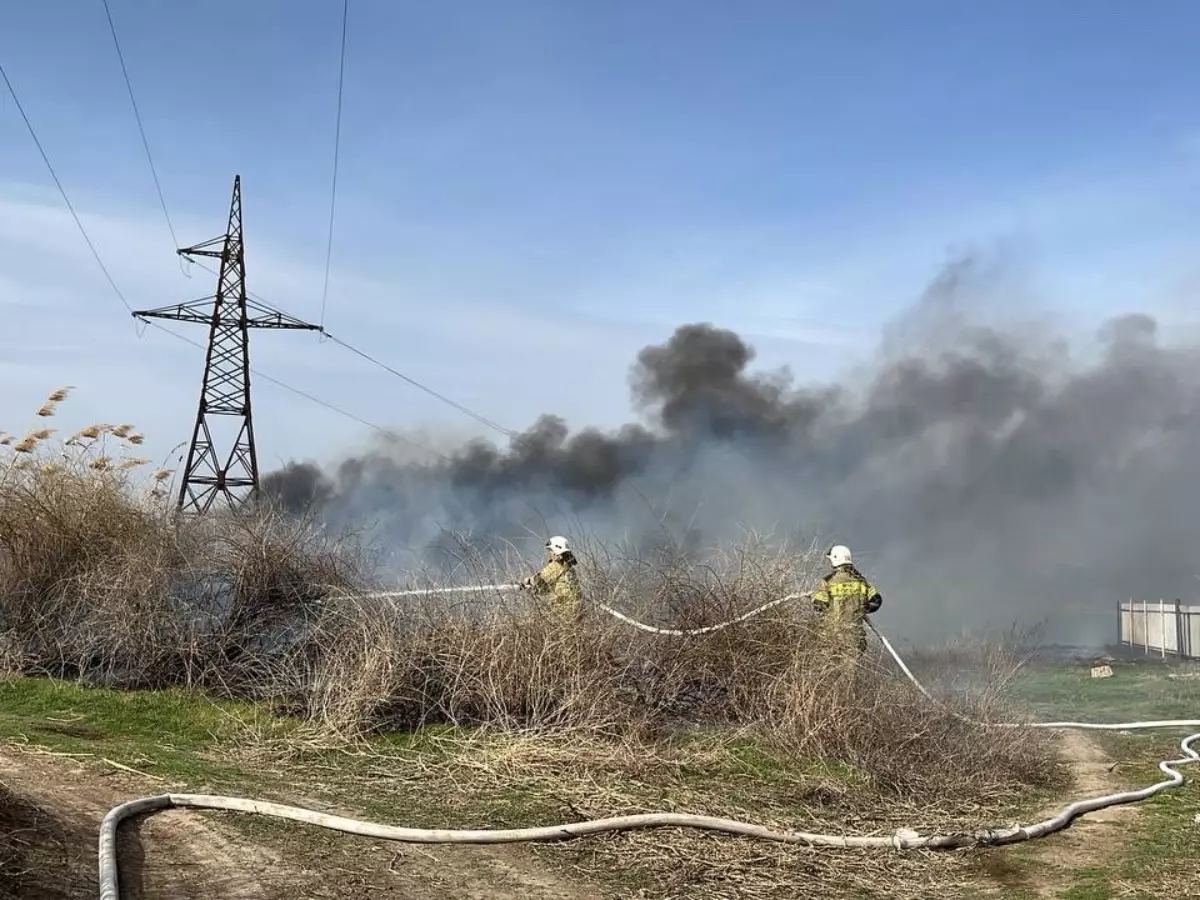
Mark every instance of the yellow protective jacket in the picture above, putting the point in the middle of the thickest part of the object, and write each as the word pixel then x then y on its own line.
pixel 843 598
pixel 559 580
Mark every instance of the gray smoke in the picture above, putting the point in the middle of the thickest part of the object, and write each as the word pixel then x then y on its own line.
pixel 981 474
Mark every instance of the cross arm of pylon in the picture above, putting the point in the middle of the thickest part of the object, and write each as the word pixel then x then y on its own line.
pixel 258 315
pixel 212 248
pixel 192 311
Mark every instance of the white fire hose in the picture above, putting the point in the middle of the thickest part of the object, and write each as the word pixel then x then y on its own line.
pixel 902 839
pixel 433 592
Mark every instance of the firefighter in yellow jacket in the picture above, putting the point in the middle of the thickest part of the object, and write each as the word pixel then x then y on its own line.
pixel 558 580
pixel 843 598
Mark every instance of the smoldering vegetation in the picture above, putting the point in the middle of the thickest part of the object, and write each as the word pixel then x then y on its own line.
pixel 982 472
pixel 101 583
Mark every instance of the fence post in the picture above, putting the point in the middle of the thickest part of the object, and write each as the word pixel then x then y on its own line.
pixel 1146 627
pixel 1162 628
pixel 1129 634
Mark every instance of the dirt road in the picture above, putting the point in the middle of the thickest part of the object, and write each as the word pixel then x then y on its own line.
pixel 1091 839
pixel 56 804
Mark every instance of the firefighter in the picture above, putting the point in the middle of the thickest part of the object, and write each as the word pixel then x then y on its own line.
pixel 843 598
pixel 558 580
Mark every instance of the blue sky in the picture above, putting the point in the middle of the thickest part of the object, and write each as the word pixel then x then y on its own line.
pixel 532 191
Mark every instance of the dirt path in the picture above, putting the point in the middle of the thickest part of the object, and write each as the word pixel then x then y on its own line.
pixel 1091 839
pixel 181 854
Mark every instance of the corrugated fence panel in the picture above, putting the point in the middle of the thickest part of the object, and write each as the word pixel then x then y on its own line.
pixel 1165 627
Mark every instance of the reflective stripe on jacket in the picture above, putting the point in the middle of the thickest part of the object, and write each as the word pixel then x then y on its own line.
pixel 843 598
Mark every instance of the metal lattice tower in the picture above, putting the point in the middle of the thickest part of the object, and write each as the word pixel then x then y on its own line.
pixel 226 388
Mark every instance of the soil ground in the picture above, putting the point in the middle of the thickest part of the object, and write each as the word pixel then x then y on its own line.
pixel 184 854
pixel 59 776
pixel 1092 839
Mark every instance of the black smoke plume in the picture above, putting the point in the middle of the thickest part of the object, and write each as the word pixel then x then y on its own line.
pixel 980 473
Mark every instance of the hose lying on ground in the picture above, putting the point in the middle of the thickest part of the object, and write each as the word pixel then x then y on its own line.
pixel 902 839
pixel 1077 726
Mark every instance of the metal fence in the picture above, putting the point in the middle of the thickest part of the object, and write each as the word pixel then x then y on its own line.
pixel 1161 627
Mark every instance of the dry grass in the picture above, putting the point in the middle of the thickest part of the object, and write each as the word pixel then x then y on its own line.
pixel 100 582
pixel 506 779
pixel 767 681
pixel 31 845
pixel 496 661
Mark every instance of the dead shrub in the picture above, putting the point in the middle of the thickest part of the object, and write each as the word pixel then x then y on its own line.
pixel 101 581
pixel 500 662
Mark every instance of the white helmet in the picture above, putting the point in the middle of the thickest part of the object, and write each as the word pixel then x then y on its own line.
pixel 558 545
pixel 838 555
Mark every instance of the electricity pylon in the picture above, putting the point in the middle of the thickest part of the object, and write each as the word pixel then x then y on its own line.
pixel 226 386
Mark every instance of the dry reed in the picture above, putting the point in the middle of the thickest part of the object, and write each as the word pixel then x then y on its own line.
pixel 100 581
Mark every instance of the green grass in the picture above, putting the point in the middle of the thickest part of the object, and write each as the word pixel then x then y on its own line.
pixel 1166 844
pixel 1160 855
pixel 1136 691
pixel 186 737
pixel 435 777
pixel 448 777
pixel 173 734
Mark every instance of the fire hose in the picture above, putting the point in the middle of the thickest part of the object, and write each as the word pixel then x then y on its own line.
pixel 902 839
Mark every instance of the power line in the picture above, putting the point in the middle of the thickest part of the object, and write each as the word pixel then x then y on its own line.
pixel 467 411
pixel 387 432
pixel 112 282
pixel 67 200
pixel 337 143
pixel 482 420
pixel 141 130
pixel 513 436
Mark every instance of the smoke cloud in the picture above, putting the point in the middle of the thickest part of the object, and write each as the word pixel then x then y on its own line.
pixel 981 473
